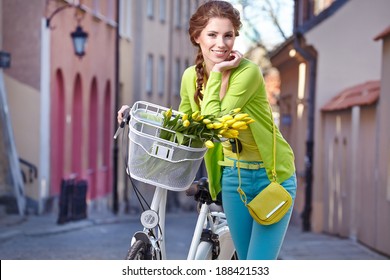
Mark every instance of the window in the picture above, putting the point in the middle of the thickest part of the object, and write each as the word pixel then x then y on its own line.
pixel 163 8
pixel 177 77
pixel 161 76
pixel 187 15
pixel 177 15
pixel 149 75
pixel 96 6
pixel 125 8
pixel 110 10
pixel 150 9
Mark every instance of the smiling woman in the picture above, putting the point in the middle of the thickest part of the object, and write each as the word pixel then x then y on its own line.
pixel 220 81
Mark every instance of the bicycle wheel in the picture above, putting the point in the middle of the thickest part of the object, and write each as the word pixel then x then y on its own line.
pixel 137 251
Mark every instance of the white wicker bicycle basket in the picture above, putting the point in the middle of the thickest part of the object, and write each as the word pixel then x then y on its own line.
pixel 157 161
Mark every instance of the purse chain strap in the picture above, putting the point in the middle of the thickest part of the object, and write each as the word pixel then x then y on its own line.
pixel 274 175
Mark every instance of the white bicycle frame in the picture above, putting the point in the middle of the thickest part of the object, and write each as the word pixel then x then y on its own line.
pixel 145 130
pixel 213 220
pixel 216 221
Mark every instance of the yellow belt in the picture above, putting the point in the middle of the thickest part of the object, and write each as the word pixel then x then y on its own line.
pixel 245 165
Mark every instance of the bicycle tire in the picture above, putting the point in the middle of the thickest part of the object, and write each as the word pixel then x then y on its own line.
pixel 137 251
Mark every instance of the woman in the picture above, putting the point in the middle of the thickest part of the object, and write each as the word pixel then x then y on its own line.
pixel 223 80
pixel 220 81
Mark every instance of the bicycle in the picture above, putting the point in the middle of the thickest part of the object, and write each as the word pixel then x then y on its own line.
pixel 170 167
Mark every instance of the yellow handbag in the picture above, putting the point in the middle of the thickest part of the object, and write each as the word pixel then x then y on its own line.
pixel 272 203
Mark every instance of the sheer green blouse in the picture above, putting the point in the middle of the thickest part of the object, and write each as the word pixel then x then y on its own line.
pixel 246 90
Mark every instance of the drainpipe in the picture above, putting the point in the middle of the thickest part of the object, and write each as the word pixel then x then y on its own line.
pixel 116 148
pixel 311 58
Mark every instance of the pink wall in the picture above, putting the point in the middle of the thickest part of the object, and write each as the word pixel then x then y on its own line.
pixel 93 139
pixel 87 114
pixel 57 117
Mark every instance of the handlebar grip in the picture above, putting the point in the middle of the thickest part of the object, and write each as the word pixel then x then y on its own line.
pixel 126 117
pixel 125 120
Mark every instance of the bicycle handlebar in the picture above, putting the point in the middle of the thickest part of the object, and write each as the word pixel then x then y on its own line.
pixel 200 191
pixel 125 120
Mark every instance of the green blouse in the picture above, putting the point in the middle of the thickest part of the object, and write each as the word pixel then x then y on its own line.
pixel 246 90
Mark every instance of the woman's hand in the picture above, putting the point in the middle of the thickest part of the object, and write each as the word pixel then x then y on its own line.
pixel 232 62
pixel 120 113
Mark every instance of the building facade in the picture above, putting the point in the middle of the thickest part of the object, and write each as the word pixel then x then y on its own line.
pixel 136 50
pixel 63 131
pixel 155 50
pixel 332 76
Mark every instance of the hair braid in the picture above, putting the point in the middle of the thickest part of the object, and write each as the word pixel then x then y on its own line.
pixel 198 95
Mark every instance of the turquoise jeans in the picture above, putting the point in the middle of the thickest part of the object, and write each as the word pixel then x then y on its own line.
pixel 252 240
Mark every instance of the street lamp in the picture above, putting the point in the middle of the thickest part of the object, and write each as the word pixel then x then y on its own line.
pixel 79 37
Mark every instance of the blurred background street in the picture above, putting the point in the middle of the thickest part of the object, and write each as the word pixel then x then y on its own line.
pixel 107 237
pixel 67 66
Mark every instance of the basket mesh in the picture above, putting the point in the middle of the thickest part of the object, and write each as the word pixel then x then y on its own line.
pixel 156 161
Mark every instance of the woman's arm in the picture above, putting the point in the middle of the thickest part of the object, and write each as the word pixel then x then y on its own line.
pixel 244 83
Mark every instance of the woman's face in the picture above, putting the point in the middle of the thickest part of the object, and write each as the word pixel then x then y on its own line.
pixel 216 41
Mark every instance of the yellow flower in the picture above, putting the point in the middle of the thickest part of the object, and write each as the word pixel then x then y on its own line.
pixel 231 133
pixel 250 121
pixel 226 118
pixel 243 127
pixel 217 125
pixel 186 123
pixel 195 115
pixel 240 116
pixel 230 122
pixel 168 114
pixel 209 144
pixel 200 130
pixel 238 124
pixel 199 118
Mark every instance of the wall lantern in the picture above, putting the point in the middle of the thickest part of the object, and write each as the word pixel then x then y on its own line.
pixel 5 59
pixel 79 37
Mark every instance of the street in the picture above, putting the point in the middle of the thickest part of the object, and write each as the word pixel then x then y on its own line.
pixel 85 240
pixel 107 237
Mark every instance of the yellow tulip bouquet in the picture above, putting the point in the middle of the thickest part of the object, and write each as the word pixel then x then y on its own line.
pixel 173 162
pixel 197 130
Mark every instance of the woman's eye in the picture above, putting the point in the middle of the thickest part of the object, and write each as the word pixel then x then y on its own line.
pixel 212 35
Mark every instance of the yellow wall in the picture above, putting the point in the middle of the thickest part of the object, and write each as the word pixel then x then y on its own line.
pixel 24 107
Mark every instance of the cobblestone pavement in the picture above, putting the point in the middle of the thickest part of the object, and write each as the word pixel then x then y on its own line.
pixel 298 245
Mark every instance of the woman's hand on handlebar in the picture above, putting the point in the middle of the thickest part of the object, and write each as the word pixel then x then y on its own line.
pixel 120 114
